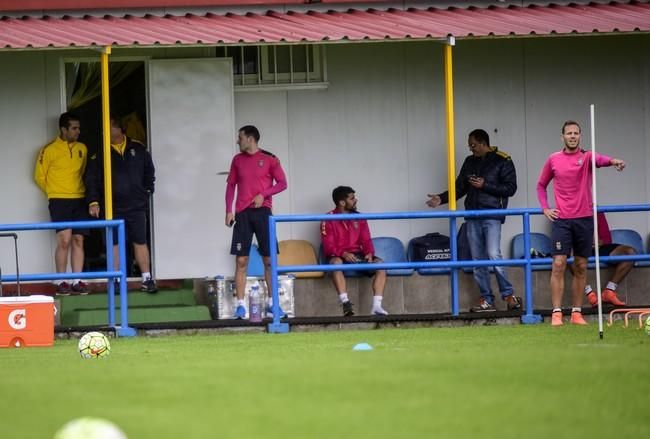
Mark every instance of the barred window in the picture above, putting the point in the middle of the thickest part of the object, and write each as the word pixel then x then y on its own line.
pixel 290 66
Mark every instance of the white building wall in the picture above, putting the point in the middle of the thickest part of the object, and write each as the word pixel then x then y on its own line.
pixel 379 127
pixel 25 126
pixel 565 76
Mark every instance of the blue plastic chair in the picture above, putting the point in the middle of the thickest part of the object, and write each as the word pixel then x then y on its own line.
pixel 628 237
pixel 538 241
pixel 644 263
pixel 255 263
pixel 633 239
pixel 392 250
pixel 424 271
pixel 322 260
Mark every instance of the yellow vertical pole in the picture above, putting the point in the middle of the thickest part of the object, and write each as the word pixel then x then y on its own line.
pixel 106 127
pixel 449 108
pixel 451 168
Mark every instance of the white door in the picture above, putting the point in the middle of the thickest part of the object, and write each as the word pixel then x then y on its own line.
pixel 192 142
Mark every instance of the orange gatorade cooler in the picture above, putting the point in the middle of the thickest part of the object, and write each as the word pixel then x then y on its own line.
pixel 26 321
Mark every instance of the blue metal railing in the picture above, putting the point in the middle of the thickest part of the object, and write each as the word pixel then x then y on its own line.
pixel 454 264
pixel 123 329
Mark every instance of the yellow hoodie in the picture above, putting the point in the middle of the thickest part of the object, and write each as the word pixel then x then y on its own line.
pixel 60 168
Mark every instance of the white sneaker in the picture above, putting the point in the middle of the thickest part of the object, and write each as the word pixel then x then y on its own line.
pixel 379 311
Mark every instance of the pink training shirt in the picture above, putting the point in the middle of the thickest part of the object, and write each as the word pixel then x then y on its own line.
pixel 604 234
pixel 571 175
pixel 254 174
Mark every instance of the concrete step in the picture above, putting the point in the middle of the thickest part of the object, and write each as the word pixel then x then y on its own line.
pixel 152 314
pixel 136 299
pixel 164 306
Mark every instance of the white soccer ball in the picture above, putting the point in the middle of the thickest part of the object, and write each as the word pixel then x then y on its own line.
pixel 90 428
pixel 94 345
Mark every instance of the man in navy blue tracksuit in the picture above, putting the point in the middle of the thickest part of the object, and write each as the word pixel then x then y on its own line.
pixel 133 176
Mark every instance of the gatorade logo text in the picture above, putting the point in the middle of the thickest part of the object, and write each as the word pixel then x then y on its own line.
pixel 17 319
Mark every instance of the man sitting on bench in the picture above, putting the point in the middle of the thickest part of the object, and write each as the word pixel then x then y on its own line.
pixel 608 248
pixel 349 242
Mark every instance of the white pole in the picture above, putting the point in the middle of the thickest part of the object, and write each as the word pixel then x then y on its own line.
pixel 595 212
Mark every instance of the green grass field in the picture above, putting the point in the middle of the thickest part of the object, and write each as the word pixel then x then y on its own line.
pixel 470 382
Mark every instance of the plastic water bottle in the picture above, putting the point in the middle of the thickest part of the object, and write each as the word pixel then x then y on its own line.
pixel 213 295
pixel 255 303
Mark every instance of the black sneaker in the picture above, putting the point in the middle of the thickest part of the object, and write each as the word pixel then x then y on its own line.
pixel 513 302
pixel 149 286
pixel 80 288
pixel 483 306
pixel 347 309
pixel 63 289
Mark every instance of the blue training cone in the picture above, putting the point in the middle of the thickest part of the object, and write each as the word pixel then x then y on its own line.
pixel 362 347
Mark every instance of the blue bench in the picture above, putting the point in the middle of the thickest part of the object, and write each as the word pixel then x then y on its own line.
pixel 633 239
pixel 538 241
pixel 391 249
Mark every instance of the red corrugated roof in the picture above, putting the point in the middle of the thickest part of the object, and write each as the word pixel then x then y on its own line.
pixel 88 5
pixel 353 25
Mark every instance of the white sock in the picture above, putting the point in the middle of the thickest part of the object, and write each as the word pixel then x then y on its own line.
pixel 576 309
pixel 611 286
pixel 241 302
pixel 376 306
pixel 588 289
pixel 343 297
pixel 58 282
pixel 557 309
pixel 146 276
pixel 75 281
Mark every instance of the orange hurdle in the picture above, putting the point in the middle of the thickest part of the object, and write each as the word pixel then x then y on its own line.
pixel 625 310
pixel 645 313
pixel 627 314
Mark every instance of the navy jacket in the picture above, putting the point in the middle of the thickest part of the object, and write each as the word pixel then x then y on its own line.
pixel 133 176
pixel 497 169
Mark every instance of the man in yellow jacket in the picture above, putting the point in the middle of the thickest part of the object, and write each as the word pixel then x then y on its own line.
pixel 59 173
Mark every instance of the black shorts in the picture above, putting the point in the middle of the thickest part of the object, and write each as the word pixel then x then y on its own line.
pixel 606 250
pixel 135 226
pixel 254 220
pixel 362 260
pixel 69 209
pixel 575 234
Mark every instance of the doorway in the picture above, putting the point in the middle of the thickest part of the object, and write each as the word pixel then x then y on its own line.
pixel 185 109
pixel 128 101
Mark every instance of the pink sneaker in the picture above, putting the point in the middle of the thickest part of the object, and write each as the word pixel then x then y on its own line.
pixel 593 299
pixel 577 319
pixel 556 318
pixel 610 296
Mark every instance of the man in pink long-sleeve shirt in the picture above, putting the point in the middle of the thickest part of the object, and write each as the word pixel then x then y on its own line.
pixel 572 222
pixel 257 175
pixel 349 242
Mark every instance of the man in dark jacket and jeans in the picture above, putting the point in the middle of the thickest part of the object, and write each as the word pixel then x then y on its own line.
pixel 487 178
pixel 133 177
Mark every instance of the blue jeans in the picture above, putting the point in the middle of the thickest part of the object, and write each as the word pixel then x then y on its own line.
pixel 484 237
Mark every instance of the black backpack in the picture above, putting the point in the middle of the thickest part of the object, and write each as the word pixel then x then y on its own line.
pixel 431 247
pixel 464 253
